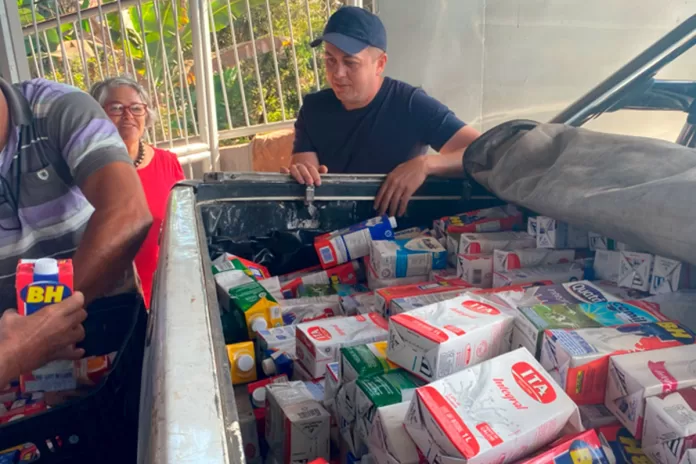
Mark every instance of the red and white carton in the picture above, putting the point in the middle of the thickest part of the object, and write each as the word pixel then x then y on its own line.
pixel 409 303
pixel 634 270
pixel 438 275
pixel 494 219
pixel 498 411
pixel 583 447
pixel 476 270
pixel 579 359
pixel 389 443
pixel 487 243
pixel 346 273
pixel 443 338
pixel 319 342
pixel 634 377
pixel 669 435
pixel 384 296
pixel 504 260
pixel 544 275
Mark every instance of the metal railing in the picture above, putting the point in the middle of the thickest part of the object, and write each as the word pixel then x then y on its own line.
pixel 216 70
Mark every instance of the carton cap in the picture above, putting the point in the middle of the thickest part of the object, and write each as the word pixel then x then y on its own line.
pixel 259 324
pixel 258 397
pixel 268 366
pixel 46 266
pixel 392 221
pixel 245 363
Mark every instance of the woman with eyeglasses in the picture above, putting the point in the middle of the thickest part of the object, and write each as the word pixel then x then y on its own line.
pixel 127 104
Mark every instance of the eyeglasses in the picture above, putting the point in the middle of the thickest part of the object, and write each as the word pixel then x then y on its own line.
pixel 117 109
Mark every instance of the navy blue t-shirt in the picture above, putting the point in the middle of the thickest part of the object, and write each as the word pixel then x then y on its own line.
pixel 399 124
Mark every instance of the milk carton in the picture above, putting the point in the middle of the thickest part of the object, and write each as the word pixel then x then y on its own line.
pixel 319 342
pixel 579 447
pixel 297 426
pixel 358 303
pixel 504 260
pixel 388 441
pixel 353 242
pixel 247 426
pixel 634 377
pixel 476 270
pixel 497 411
pixel 580 358
pixel 437 340
pixel 556 234
pixel 407 258
pixel 486 243
pixel 493 219
pixel 346 273
pixel 227 261
pixel 620 446
pixel 634 270
pixel 606 265
pixel 596 415
pixel 276 338
pixel 677 306
pixel 600 242
pixel 666 275
pixel 298 310
pixel 532 226
pixel 670 427
pixel 613 313
pixel 377 391
pixel 402 305
pixel 374 282
pixel 385 296
pixel 555 274
pixel 332 382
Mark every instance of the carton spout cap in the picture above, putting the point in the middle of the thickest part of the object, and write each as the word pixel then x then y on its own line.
pixel 46 266
pixel 259 395
pixel 392 221
pixel 268 367
pixel 258 324
pixel 245 363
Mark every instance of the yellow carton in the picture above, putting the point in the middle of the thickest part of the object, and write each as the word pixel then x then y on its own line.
pixel 242 362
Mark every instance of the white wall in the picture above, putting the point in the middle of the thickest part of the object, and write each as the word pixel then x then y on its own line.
pixel 496 60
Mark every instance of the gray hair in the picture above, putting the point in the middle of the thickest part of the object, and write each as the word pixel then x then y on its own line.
pixel 100 92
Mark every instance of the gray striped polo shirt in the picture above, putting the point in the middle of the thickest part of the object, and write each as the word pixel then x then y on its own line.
pixel 59 136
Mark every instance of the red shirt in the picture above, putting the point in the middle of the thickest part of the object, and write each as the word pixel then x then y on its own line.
pixel 157 178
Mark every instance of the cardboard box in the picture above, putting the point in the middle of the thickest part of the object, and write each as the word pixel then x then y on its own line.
pixel 319 342
pixel 297 426
pixel 402 305
pixel 407 258
pixel 544 275
pixel 620 446
pixel 498 411
pixel 634 377
pixel 476 270
pixel 443 338
pixel 606 265
pixel 374 282
pixel 388 442
pixel 473 244
pixel 580 447
pixel 385 296
pixel 581 357
pixel 298 310
pixel 670 427
pixel 634 270
pixel 666 275
pixel 504 260
pixel 557 234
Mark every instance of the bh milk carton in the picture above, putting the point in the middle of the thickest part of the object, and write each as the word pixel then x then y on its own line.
pixel 487 243
pixel 620 446
pixel 40 283
pixel 476 270
pixel 407 258
pixel 319 342
pixel 669 435
pixel 580 358
pixel 504 260
pixel 388 441
pixel 498 411
pixel 353 242
pixel 578 447
pixel 542 275
pixel 297 426
pixel 441 339
pixel 636 376
pixel 557 234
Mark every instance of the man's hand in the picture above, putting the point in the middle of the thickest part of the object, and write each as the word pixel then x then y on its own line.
pixel 305 168
pixel 400 186
pixel 29 342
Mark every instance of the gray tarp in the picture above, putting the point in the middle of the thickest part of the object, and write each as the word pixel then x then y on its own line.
pixel 636 190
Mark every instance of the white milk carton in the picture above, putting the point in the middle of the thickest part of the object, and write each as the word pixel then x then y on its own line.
pixel 440 339
pixel 669 435
pixel 557 234
pixel 409 303
pixel 375 282
pixel 581 291
pixel 389 443
pixel 247 425
pixel 298 310
pixel 634 377
pixel 555 274
pixel 634 270
pixel 532 224
pixel 666 274
pixel 606 265
pixel 297 426
pixel 358 303
pixel 677 306
pixel 596 415
pixel 476 270
pixel 473 244
pixel 504 260
pixel 498 411
pixel 580 358
pixel 407 258
pixel 319 342
pixel 600 242
pixel 332 382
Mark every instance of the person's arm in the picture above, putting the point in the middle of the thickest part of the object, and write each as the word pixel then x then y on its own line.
pixel 100 166
pixel 304 167
pixel 449 161
pixel 29 342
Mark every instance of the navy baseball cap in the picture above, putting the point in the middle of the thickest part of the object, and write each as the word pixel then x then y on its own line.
pixel 352 30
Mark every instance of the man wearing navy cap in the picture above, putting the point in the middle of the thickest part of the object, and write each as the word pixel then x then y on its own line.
pixel 370 124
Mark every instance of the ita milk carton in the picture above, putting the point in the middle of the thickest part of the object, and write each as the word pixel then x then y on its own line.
pixel 40 283
pixel 388 441
pixel 504 260
pixel 579 358
pixel 407 258
pixel 319 342
pixel 669 435
pixel 385 296
pixel 298 310
pixel 402 305
pixel 443 338
pixel 636 376
pixel 297 426
pixel 498 411
pixel 353 242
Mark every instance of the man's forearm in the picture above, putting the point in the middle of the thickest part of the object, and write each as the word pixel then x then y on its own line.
pixel 445 164
pixel 7 367
pixel 107 249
